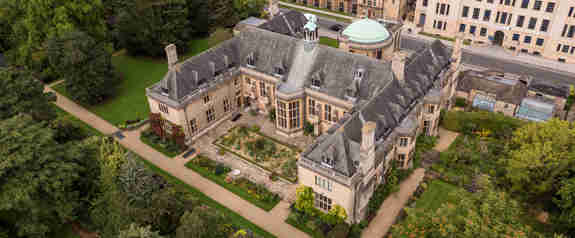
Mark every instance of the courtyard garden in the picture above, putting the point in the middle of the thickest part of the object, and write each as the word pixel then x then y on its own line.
pixel 138 73
pixel 218 173
pixel 272 155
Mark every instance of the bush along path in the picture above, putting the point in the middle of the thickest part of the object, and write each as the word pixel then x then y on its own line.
pixel 272 222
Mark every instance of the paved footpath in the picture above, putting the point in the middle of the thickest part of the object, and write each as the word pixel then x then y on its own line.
pixel 272 221
pixel 391 207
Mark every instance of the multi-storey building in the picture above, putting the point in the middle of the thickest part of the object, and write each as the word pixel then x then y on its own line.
pixel 538 27
pixel 367 112
pixel 376 9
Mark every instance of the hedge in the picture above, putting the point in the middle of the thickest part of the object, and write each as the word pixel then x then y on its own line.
pixel 499 125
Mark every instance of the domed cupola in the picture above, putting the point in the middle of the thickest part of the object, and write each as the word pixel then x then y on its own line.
pixel 366 31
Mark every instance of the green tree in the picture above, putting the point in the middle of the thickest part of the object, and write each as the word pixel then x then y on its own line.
pixel 487 213
pixel 144 29
pixel 305 200
pixel 36 21
pixel 336 215
pixel 203 222
pixel 85 64
pixel 135 231
pixel 539 155
pixel 21 92
pixel 566 202
pixel 43 184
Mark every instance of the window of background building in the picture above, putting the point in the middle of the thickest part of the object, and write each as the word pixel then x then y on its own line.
pixel 571 31
pixel 503 18
pixel 422 19
pixel 475 13
pixel 544 25
pixel 486 15
pixel 539 41
pixel 465 12
pixel 558 47
pixel 537 5
pixel 515 37
pixel 472 30
pixel 532 23
pixel 565 49
pixel 462 28
pixel 527 40
pixel 571 9
pixel 525 4
pixel 520 20
pixel 483 31
pixel 424 3
pixel 550 7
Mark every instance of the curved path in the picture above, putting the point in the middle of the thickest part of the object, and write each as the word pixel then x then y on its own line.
pixel 272 221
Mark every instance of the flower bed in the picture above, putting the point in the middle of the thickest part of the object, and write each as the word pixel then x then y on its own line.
pixel 254 193
pixel 164 145
pixel 249 144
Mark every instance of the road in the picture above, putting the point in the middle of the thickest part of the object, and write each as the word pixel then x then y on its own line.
pixel 538 72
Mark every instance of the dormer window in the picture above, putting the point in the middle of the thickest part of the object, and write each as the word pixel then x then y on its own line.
pixel 251 60
pixel 279 71
pixel 164 91
pixel 403 141
pixel 358 74
pixel 327 161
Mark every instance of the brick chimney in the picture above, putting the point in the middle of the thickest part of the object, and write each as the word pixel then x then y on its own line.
pixel 398 65
pixel 172 54
pixel 367 148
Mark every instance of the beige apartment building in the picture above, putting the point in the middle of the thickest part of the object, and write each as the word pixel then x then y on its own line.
pixel 539 27
pixel 395 10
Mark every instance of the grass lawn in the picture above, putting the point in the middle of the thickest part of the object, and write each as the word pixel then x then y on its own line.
pixel 328 41
pixel 237 190
pixel 236 218
pixel 69 117
pixel 137 74
pixel 340 19
pixel 436 195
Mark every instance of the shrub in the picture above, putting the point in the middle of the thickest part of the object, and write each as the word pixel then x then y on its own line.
pixel 220 169
pixel 272 115
pixel 256 128
pixel 341 230
pixel 471 122
pixel 355 230
pixel 221 151
pixel 460 102
pixel 308 128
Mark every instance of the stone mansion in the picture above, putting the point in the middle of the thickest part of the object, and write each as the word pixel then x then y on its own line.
pixel 366 112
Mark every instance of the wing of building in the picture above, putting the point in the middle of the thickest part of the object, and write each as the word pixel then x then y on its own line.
pixel 366 112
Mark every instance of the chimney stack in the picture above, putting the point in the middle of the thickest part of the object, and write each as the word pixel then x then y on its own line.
pixel 195 77
pixel 213 67
pixel 172 54
pixel 367 147
pixel 398 65
pixel 226 61
pixel 273 8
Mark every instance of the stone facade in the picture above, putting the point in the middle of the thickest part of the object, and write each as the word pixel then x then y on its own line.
pixel 545 28
pixel 366 112
pixel 395 10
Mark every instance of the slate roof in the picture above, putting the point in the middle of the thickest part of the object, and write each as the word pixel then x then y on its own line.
pixel 506 90
pixel 286 23
pixel 387 109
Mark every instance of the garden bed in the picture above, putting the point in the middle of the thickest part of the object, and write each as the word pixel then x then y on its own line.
pixel 165 146
pixel 249 144
pixel 254 193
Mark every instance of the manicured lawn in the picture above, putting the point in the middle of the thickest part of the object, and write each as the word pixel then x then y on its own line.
pixel 328 41
pixel 237 219
pixel 436 194
pixel 340 19
pixel 241 191
pixel 137 74
pixel 74 120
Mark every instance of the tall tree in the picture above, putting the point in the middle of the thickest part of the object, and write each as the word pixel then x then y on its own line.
pixel 539 155
pixel 85 64
pixel 487 213
pixel 566 202
pixel 43 184
pixel 146 28
pixel 202 222
pixel 21 92
pixel 44 19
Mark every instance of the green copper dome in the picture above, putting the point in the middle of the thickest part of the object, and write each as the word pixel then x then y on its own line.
pixel 366 31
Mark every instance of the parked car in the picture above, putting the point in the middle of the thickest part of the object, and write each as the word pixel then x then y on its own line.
pixel 336 27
